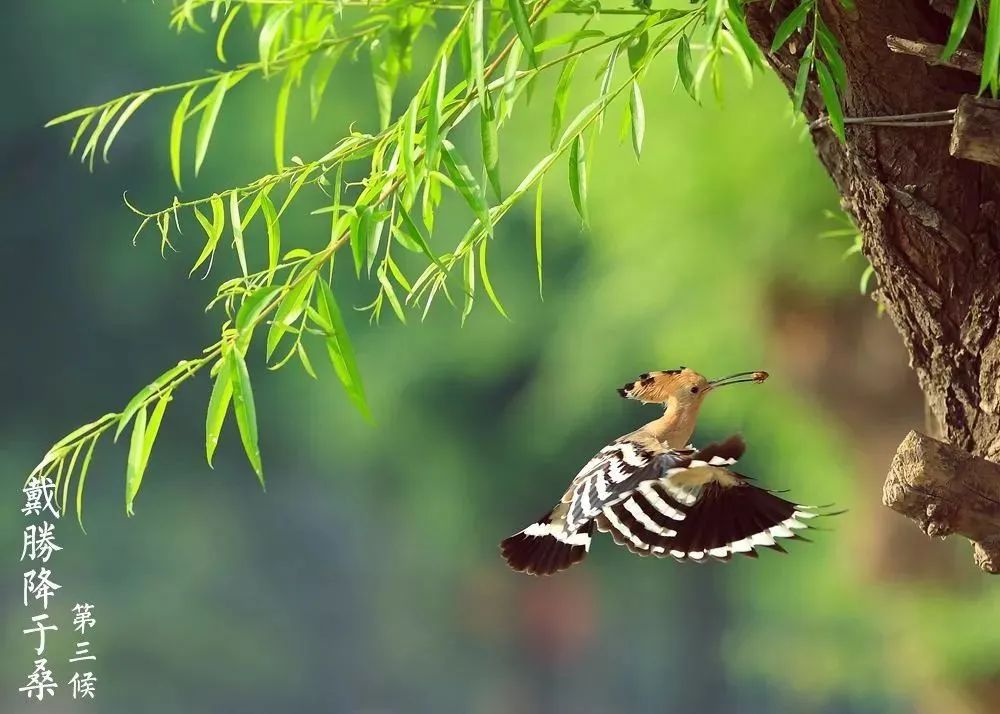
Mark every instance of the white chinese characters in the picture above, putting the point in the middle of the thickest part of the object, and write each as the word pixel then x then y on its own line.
pixel 39 589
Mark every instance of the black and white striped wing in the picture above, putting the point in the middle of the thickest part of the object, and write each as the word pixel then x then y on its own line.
pixel 561 537
pixel 617 470
pixel 730 520
pixel 703 511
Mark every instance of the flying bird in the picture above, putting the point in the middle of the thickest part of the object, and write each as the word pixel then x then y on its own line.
pixel 658 495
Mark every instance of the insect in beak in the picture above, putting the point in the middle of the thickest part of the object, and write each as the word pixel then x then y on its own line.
pixel 738 378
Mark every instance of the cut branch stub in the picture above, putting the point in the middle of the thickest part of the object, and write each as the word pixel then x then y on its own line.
pixel 947 490
pixel 929 52
pixel 976 134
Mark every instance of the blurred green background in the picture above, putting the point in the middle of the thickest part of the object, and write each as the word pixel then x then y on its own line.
pixel 367 578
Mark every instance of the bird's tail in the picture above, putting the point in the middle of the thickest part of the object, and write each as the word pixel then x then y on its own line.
pixel 546 547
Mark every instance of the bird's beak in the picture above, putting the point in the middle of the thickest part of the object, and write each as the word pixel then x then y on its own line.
pixel 738 378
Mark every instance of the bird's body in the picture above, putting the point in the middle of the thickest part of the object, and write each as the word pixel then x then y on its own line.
pixel 657 495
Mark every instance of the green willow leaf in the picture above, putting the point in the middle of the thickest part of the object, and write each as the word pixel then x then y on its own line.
pixel 251 310
pixel 831 53
pixel 468 284
pixel 378 221
pixel 418 236
pixel 360 230
pixel 66 477
pixel 213 230
pixel 802 78
pixel 487 285
pixel 90 148
pixel 177 133
pixel 742 59
pixel 587 114
pixel 738 26
pixel 539 32
pixel 273 233
pixel 256 14
pixel 298 254
pixel 561 98
pixel 402 233
pixel 237 226
pixel 713 14
pixel 519 16
pixel 390 293
pixel 153 427
pixel 435 113
pixel 70 116
pixel 269 33
pixel 385 72
pixel 208 117
pixel 489 135
pixel 431 199
pixel 637 48
pixel 289 310
pixel 341 352
pixel 218 214
pixel 211 242
pixel 510 86
pixel 122 118
pixel 828 89
pixel 991 49
pixel 223 31
pixel 959 25
pixel 684 64
pixel 795 20
pixel 80 130
pixel 281 118
pixel 578 177
pixel 398 274
pixel 609 70
pixel 466 184
pixel 339 224
pixel 245 411
pixel 477 60
pixel 568 38
pixel 866 277
pixel 408 144
pixel 321 77
pixel 304 359
pixel 81 480
pixel 638 115
pixel 218 405
pixel 296 185
pixel 134 466
pixel 538 236
pixel 709 65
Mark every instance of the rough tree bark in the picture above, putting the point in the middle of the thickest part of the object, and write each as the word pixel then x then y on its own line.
pixel 929 220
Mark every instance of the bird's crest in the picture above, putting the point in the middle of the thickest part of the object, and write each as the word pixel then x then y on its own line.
pixel 652 386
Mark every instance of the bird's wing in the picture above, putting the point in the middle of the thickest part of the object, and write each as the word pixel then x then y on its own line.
pixel 711 511
pixel 616 471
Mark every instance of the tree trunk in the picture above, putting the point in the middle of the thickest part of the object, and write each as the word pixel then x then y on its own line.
pixel 929 220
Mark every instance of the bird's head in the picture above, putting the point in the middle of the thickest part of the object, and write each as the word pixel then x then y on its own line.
pixel 683 387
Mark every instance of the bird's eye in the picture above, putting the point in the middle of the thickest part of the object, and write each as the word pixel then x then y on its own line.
pixel 694 390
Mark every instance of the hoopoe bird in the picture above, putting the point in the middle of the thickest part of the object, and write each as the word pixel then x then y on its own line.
pixel 658 495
